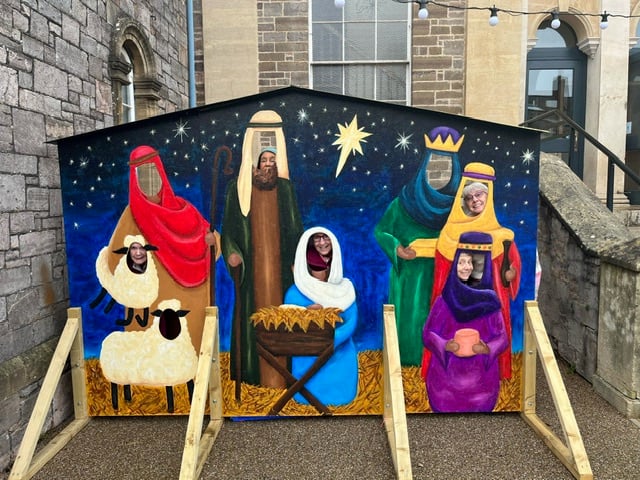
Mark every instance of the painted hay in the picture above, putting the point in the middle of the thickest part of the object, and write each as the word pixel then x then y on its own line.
pixel 292 315
pixel 257 401
pixel 144 400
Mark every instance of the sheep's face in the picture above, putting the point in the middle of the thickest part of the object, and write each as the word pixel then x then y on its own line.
pixel 169 325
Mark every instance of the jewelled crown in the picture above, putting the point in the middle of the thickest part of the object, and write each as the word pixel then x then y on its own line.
pixel 445 139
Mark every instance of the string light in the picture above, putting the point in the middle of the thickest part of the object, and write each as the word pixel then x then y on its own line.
pixel 423 12
pixel 338 3
pixel 493 18
pixel 493 12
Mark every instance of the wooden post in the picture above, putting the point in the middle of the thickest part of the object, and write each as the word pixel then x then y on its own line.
pixel 70 342
pixel 197 444
pixel 395 419
pixel 571 453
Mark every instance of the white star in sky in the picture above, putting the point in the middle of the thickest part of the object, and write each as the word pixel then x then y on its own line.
pixel 181 130
pixel 528 157
pixel 403 141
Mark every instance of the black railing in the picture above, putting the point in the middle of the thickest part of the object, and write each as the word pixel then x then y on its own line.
pixel 613 160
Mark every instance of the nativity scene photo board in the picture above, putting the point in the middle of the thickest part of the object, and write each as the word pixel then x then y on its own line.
pixel 300 214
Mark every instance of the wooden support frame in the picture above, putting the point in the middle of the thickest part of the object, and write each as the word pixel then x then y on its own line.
pixel 70 344
pixel 395 418
pixel 198 444
pixel 571 453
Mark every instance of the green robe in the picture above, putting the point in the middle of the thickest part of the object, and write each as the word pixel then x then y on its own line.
pixel 236 238
pixel 410 282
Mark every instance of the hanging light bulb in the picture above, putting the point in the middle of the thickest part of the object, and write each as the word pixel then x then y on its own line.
pixel 423 13
pixel 493 18
pixel 338 3
pixel 555 22
pixel 604 21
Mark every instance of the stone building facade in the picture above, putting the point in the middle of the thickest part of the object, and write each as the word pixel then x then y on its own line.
pixel 61 73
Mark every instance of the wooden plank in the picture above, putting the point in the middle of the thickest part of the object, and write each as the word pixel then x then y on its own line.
pixel 395 418
pixel 56 444
pixel 573 443
pixel 78 376
pixel 529 361
pixel 190 468
pixel 43 402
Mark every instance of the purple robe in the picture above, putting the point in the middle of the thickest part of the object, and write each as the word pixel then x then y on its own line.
pixel 465 384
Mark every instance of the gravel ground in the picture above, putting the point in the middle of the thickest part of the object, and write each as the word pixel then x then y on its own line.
pixel 489 446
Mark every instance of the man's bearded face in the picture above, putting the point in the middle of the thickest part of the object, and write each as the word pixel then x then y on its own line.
pixel 265 177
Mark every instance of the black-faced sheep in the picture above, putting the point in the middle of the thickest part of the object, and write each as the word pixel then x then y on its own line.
pixel 162 355
pixel 130 287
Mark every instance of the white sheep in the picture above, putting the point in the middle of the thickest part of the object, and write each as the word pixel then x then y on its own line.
pixel 162 355
pixel 128 288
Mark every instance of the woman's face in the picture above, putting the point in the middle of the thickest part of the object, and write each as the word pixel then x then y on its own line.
pixel 322 244
pixel 475 201
pixel 465 266
pixel 138 253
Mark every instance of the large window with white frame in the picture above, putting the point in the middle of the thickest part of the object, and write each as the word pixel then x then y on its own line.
pixel 362 49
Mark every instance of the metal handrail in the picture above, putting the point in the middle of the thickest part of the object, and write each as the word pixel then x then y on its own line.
pixel 613 160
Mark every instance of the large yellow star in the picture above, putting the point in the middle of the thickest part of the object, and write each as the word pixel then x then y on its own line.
pixel 349 140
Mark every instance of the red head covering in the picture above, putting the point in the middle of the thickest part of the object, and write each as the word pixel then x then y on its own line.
pixel 173 225
pixel 315 261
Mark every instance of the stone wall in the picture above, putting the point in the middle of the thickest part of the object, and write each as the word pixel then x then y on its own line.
pixel 283 44
pixel 438 65
pixel 54 83
pixel 574 231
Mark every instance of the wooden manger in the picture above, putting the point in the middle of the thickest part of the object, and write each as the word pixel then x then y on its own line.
pixel 294 331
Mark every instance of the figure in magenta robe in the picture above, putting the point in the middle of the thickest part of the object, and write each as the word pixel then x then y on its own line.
pixel 465 334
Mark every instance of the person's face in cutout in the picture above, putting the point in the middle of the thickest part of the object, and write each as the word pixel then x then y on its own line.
pixel 267 160
pixel 265 175
pixel 322 244
pixel 476 201
pixel 464 266
pixel 138 256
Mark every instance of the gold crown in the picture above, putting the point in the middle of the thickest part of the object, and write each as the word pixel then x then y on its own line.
pixel 446 145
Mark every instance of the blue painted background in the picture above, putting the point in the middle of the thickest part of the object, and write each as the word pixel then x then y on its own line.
pixel 94 172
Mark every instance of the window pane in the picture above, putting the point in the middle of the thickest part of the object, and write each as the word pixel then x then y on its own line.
pixel 360 41
pixel 359 81
pixel 323 10
pixel 391 82
pixel 359 10
pixel 327 41
pixel 392 41
pixel 328 78
pixel 390 10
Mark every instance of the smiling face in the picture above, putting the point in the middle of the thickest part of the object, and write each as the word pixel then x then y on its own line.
pixel 138 254
pixel 475 201
pixel 322 244
pixel 464 266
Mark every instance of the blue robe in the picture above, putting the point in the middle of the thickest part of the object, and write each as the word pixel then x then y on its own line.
pixel 336 383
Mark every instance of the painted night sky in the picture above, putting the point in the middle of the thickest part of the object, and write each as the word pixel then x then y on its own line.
pixel 201 152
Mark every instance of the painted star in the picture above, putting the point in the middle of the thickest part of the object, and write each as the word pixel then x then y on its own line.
pixel 181 130
pixel 348 141
pixel 528 157
pixel 403 141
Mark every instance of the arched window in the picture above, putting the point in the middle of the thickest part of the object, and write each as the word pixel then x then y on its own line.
pixel 135 87
pixel 127 92
pixel 361 50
